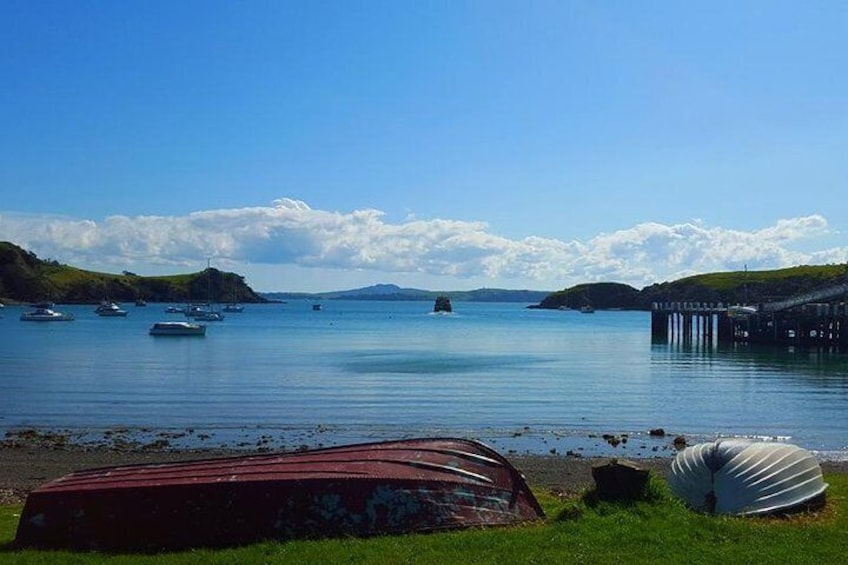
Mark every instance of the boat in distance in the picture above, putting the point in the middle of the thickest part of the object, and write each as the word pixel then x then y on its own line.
pixel 45 313
pixel 209 316
pixel 234 308
pixel 393 487
pixel 110 310
pixel 177 329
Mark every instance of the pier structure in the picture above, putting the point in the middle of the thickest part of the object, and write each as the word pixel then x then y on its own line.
pixel 817 319
pixel 690 322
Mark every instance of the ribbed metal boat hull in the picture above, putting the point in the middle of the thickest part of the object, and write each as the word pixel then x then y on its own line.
pixel 360 490
pixel 742 477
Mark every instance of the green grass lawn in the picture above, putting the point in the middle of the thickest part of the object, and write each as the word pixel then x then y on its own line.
pixel 660 530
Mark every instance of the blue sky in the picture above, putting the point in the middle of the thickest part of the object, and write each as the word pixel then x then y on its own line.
pixel 441 144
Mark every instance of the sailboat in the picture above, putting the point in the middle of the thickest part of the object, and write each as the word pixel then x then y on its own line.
pixel 233 306
pixel 205 312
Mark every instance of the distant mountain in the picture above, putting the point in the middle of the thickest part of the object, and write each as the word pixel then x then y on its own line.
pixel 394 292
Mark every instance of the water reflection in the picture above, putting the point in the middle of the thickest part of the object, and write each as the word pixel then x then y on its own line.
pixel 830 362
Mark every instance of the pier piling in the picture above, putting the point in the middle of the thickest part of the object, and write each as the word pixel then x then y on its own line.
pixel 696 323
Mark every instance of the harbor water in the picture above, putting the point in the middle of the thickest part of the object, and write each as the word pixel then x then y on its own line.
pixel 287 376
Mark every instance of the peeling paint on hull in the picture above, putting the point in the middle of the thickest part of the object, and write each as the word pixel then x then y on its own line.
pixel 361 490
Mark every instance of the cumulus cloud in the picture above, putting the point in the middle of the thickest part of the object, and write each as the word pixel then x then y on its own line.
pixel 290 232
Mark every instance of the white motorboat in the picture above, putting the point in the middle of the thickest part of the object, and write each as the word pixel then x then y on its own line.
pixel 45 314
pixel 110 310
pixel 233 308
pixel 741 311
pixel 208 316
pixel 203 313
pixel 177 328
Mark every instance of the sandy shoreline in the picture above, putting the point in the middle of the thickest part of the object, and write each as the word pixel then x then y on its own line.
pixel 23 469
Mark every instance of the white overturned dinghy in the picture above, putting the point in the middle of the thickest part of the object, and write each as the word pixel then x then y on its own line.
pixel 745 478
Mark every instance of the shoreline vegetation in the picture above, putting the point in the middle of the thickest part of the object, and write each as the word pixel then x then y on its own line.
pixel 26 278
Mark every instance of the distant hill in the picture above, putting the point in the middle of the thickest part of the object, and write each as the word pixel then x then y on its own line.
pixel 26 278
pixel 394 292
pixel 598 295
pixel 734 287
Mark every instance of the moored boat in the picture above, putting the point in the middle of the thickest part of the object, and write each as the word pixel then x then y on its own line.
pixel 203 312
pixel 738 311
pixel 391 487
pixel 110 310
pixel 234 308
pixel 208 316
pixel 45 313
pixel 177 328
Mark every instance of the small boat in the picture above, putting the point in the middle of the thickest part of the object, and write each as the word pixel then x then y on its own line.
pixel 741 311
pixel 316 307
pixel 443 304
pixel 745 478
pixel 233 308
pixel 110 310
pixel 203 312
pixel 395 487
pixel 196 308
pixel 208 316
pixel 587 309
pixel 140 302
pixel 45 313
pixel 177 328
pixel 175 310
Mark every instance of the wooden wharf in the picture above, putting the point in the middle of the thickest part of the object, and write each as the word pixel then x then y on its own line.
pixel 815 319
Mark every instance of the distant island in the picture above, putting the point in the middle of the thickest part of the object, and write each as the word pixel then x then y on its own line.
pixel 26 278
pixel 394 292
pixel 734 287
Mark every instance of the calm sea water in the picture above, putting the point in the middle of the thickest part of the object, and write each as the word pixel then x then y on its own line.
pixel 283 376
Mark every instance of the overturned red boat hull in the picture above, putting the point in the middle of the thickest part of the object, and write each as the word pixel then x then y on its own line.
pixel 367 489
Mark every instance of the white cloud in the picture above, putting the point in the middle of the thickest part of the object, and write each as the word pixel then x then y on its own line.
pixel 289 232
